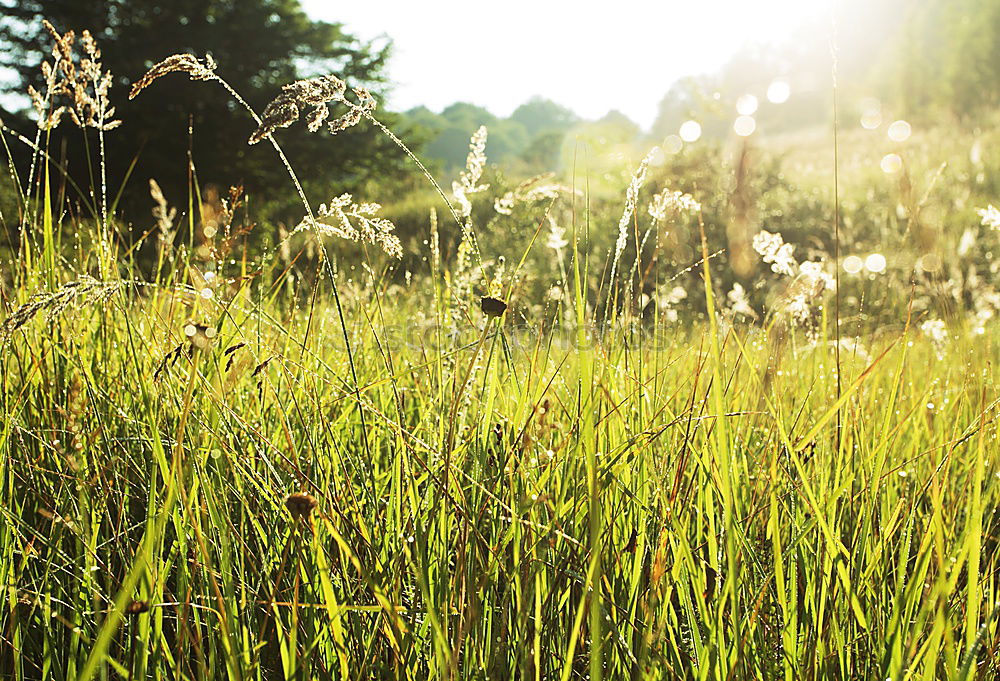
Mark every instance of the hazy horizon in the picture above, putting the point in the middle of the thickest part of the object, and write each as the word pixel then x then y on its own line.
pixel 554 56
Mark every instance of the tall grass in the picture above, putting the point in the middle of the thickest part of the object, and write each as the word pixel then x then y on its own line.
pixel 241 477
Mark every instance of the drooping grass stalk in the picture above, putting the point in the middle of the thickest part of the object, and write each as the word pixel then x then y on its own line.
pixel 325 255
pixel 463 224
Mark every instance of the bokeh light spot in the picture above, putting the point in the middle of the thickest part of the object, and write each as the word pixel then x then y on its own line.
pixel 853 264
pixel 891 163
pixel 778 92
pixel 929 262
pixel 690 131
pixel 744 126
pixel 672 144
pixel 871 113
pixel 899 131
pixel 746 105
pixel 871 120
pixel 875 263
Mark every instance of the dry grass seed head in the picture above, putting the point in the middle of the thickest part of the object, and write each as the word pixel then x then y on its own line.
pixel 284 109
pixel 62 44
pixel 314 94
pixel 73 294
pixel 87 87
pixel 163 214
pixel 93 110
pixel 366 104
pixel 468 181
pixel 344 218
pixel 57 75
pixel 537 188
pixel 185 63
pixel 631 198
pixel 671 204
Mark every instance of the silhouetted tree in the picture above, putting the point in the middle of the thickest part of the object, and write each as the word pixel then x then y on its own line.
pixel 259 45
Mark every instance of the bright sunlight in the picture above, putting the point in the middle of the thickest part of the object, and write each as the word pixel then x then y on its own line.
pixel 443 341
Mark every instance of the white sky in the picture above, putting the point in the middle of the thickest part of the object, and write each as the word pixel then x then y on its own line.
pixel 588 56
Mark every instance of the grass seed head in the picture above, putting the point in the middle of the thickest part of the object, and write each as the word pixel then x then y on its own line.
pixel 136 607
pixel 366 104
pixel 284 109
pixel 82 84
pixel 187 63
pixel 300 504
pixel 344 218
pixel 72 295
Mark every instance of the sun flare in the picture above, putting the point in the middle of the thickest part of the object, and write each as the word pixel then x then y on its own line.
pixel 566 51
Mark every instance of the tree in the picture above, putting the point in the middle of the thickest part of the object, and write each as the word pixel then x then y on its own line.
pixel 449 133
pixel 685 99
pixel 539 115
pixel 544 150
pixel 972 62
pixel 259 46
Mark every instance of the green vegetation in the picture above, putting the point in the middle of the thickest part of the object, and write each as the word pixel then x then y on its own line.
pixel 676 414
pixel 530 140
pixel 264 45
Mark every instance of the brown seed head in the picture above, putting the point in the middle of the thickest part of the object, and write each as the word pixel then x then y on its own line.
pixel 63 44
pixel 300 504
pixel 136 607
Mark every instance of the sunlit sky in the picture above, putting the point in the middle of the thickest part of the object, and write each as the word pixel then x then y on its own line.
pixel 590 57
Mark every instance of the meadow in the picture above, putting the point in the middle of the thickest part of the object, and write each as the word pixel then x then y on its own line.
pixel 553 437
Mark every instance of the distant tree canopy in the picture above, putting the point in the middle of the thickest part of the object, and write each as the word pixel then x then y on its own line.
pixel 539 115
pixel 259 45
pixel 530 137
pixel 920 58
pixel 948 57
pixel 711 99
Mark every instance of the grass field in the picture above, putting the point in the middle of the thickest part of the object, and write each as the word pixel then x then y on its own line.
pixel 222 465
